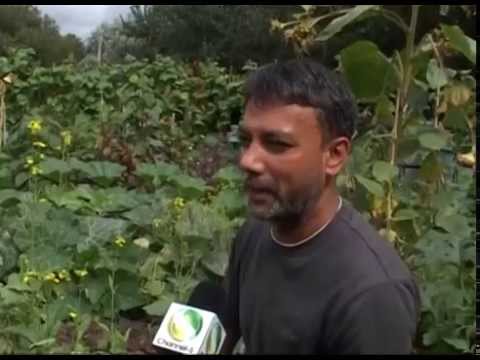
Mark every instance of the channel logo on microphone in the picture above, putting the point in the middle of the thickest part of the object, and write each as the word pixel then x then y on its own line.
pixel 185 324
pixel 189 330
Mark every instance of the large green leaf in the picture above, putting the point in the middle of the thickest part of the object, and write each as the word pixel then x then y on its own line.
pixel 431 169
pixel 11 297
pixel 15 282
pixel 48 257
pixel 466 45
pixel 196 220
pixel 155 288
pixel 405 214
pixel 95 287
pixel 436 77
pixel 58 309
pixel 433 140
pixel 455 118
pixel 372 186
pixel 384 171
pixel 160 307
pixel 418 98
pixel 113 200
pixel 455 224
pixel 408 148
pixel 70 199
pixel 6 179
pixel 62 228
pixel 103 230
pixel 189 187
pixel 159 170
pixel 10 194
pixel 31 332
pixel 340 22
pixel 51 165
pixel 384 110
pixel 98 169
pixel 130 257
pixel 429 337
pixel 8 255
pixel 142 215
pixel 21 178
pixel 217 263
pixel 202 226
pixel 128 294
pixel 438 248
pixel 458 344
pixel 229 174
pixel 368 71
pixel 445 199
pixel 231 201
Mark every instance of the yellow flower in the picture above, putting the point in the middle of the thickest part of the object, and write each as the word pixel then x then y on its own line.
pixel 39 144
pixel 49 277
pixel 67 137
pixel 35 170
pixel 73 315
pixel 56 281
pixel 26 279
pixel 120 241
pixel 42 156
pixel 35 126
pixel 30 160
pixel 63 275
pixel 179 203
pixel 42 200
pixel 32 273
pixel 81 273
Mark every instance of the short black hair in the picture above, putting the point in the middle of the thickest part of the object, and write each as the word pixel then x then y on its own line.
pixel 306 82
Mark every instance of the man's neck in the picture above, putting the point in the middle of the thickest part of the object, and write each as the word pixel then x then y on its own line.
pixel 312 220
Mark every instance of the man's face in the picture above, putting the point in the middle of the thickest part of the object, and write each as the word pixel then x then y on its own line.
pixel 283 158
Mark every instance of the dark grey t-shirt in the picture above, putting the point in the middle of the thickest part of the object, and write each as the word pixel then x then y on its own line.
pixel 345 291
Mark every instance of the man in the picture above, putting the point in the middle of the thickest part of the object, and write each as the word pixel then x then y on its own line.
pixel 307 273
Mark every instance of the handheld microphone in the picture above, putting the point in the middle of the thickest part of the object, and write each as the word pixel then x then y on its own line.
pixel 194 328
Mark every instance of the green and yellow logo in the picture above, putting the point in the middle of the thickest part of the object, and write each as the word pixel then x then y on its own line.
pixel 214 339
pixel 185 325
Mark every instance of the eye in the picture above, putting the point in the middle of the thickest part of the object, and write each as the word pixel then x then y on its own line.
pixel 277 146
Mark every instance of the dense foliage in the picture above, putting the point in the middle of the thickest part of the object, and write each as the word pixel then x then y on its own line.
pixel 118 191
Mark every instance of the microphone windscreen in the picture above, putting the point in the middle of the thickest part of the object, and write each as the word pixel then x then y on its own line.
pixel 208 296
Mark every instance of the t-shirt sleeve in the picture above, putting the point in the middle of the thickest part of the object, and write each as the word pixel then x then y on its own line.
pixel 380 320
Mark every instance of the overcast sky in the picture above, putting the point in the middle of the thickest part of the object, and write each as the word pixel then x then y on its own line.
pixel 81 20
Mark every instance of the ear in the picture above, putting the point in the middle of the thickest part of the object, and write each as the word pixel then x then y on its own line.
pixel 337 153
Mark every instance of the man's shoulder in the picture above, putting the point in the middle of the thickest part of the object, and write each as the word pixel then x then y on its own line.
pixel 367 263
pixel 365 250
pixel 352 221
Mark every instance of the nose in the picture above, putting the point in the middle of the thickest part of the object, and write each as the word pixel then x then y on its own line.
pixel 250 159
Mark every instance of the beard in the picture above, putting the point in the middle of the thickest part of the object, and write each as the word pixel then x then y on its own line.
pixel 287 207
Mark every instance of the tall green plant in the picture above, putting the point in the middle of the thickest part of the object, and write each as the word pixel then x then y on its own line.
pixel 407 172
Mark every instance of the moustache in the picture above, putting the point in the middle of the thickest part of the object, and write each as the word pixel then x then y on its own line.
pixel 258 186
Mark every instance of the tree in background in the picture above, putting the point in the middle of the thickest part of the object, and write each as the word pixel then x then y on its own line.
pixel 113 44
pixel 230 34
pixel 23 26
pixel 233 35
